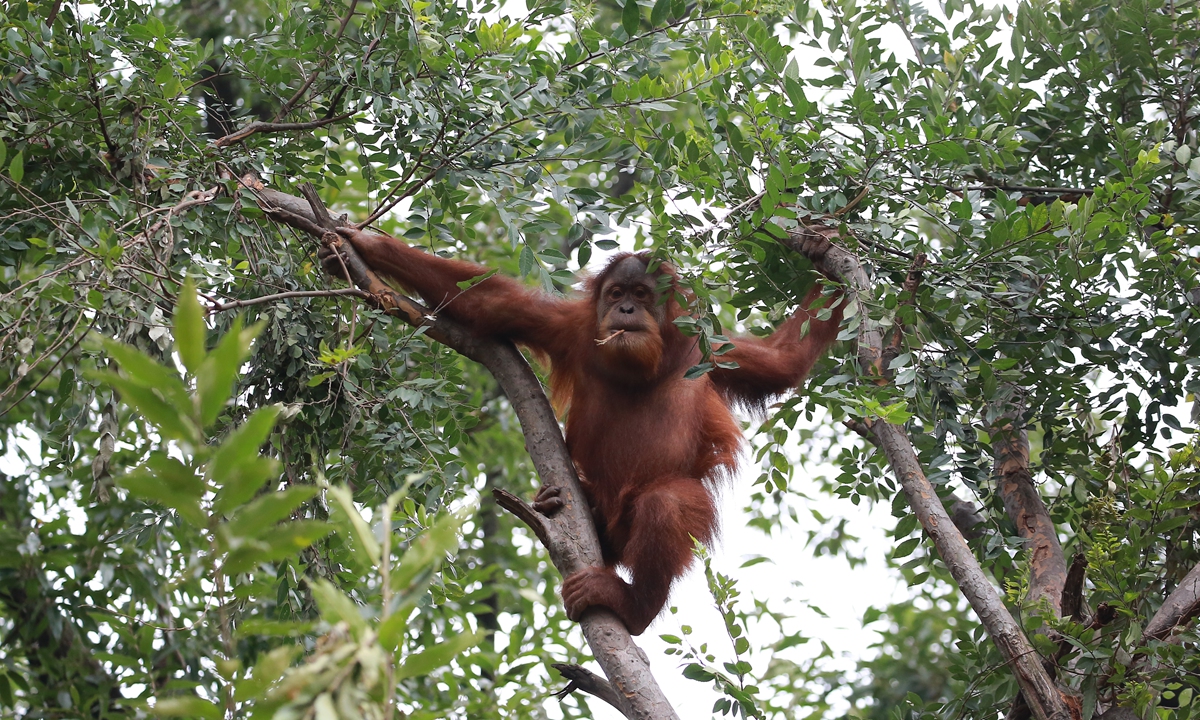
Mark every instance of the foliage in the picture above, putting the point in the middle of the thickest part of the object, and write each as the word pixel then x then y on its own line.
pixel 1043 155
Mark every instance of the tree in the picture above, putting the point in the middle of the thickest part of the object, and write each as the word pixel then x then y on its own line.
pixel 1010 195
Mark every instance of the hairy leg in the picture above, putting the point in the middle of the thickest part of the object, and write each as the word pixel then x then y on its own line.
pixel 664 520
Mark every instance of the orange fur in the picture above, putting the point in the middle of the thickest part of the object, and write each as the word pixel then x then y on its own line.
pixel 650 445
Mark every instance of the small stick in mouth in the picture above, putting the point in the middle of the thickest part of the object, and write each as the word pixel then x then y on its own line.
pixel 610 337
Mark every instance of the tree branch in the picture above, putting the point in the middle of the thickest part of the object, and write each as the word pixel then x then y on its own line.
pixel 340 292
pixel 1072 594
pixel 1180 606
pixel 1024 505
pixel 287 106
pixel 1044 698
pixel 259 126
pixel 589 682
pixel 569 536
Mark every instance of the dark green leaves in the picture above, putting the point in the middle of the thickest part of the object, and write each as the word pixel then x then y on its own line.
pixel 631 18
pixel 662 9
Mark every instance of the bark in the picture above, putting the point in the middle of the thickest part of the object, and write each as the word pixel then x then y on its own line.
pixel 1072 594
pixel 569 536
pixel 1044 698
pixel 583 679
pixel 1023 503
pixel 1180 606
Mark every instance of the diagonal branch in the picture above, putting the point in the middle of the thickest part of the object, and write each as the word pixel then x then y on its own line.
pixel 587 681
pixel 1024 505
pixel 1180 606
pixel 569 536
pixel 1044 698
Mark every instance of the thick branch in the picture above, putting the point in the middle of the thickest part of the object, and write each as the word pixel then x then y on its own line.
pixel 1072 594
pixel 1044 698
pixel 1023 503
pixel 1180 606
pixel 569 536
pixel 963 513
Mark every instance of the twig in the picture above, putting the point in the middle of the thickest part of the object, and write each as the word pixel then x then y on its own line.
pixel 287 106
pixel 853 203
pixel 610 337
pixel 190 200
pixel 324 219
pixel 339 292
pixel 57 362
pixel 21 74
pixel 270 127
pixel 1030 189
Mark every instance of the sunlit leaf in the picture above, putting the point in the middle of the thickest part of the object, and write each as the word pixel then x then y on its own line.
pixel 189 329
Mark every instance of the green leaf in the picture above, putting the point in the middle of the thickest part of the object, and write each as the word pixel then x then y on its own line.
pixel 261 515
pixel 214 379
pixel 16 169
pixel 950 150
pixel 631 17
pixel 795 93
pixel 427 552
pixel 170 423
pixel 336 606
pixel 437 656
pixel 905 548
pixel 269 668
pixel 188 707
pixel 144 371
pixel 660 12
pixel 362 537
pixel 236 466
pixel 465 284
pixel 252 626
pixel 189 329
pixel 552 256
pixel 391 630
pixel 284 541
pixel 174 494
pixel 319 378
pixel 527 261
